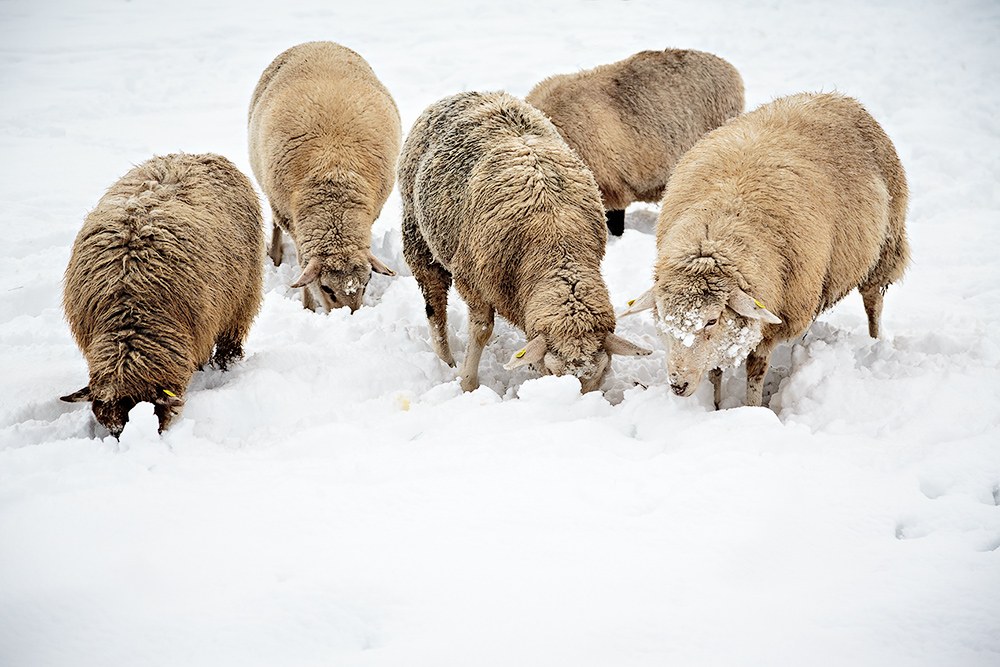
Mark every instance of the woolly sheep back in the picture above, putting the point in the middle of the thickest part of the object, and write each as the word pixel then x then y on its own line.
pixel 794 205
pixel 324 137
pixel 630 121
pixel 167 266
pixel 494 200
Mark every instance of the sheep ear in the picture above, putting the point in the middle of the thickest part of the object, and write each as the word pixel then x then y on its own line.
pixel 644 302
pixel 747 306
pixel 309 274
pixel 378 266
pixel 615 344
pixel 531 353
pixel 168 398
pixel 77 396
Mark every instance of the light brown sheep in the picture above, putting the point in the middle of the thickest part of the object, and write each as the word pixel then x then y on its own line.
pixel 494 200
pixel 167 267
pixel 767 222
pixel 324 138
pixel 630 121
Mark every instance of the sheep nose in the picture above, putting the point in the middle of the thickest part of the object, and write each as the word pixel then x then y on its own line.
pixel 679 389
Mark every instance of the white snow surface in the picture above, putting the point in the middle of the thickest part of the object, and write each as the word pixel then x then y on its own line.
pixel 335 499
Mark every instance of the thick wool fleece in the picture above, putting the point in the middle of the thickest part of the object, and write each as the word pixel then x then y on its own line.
pixel 167 267
pixel 494 199
pixel 324 138
pixel 797 203
pixel 630 121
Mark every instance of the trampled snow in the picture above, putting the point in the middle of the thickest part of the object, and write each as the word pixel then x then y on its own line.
pixel 336 499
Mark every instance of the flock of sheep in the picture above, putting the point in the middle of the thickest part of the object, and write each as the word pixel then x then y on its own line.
pixel 766 219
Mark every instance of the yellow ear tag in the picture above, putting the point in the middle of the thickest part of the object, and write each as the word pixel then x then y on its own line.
pixel 759 304
pixel 631 302
pixel 169 393
pixel 521 353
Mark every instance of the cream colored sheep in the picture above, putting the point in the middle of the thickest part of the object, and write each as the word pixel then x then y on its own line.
pixel 630 121
pixel 167 267
pixel 324 138
pixel 766 223
pixel 494 200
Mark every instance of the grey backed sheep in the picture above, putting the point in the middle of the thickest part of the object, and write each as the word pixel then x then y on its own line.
pixel 167 267
pixel 494 200
pixel 630 121
pixel 324 138
pixel 767 222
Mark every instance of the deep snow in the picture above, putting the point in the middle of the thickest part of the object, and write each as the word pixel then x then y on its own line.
pixel 335 498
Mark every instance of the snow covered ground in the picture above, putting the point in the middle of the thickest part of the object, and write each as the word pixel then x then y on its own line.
pixel 335 499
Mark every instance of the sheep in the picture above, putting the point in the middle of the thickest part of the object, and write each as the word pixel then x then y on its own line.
pixel 167 266
pixel 767 222
pixel 324 137
pixel 630 121
pixel 494 200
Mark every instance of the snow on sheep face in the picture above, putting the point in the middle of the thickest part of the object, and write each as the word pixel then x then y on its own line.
pixel 703 339
pixel 708 332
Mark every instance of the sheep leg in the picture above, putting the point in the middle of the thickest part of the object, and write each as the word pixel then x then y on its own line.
pixel 715 375
pixel 228 348
pixel 873 308
pixel 480 330
pixel 616 222
pixel 229 343
pixel 758 362
pixel 434 281
pixel 308 301
pixel 436 306
pixel 275 251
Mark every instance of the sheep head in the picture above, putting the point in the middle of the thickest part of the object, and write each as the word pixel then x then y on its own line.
pixel 111 409
pixel 340 280
pixel 587 357
pixel 704 329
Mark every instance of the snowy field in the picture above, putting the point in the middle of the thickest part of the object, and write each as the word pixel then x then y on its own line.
pixel 335 499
